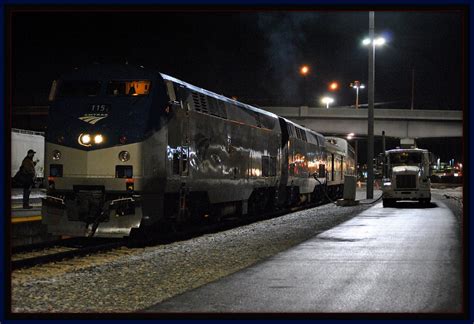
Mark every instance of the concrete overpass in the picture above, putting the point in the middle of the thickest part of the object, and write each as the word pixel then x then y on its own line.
pixel 399 123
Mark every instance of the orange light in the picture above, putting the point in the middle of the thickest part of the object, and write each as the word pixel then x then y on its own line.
pixel 304 70
pixel 51 183
pixel 129 184
pixel 333 86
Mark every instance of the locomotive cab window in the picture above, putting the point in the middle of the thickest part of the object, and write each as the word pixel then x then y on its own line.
pixel 128 88
pixel 79 88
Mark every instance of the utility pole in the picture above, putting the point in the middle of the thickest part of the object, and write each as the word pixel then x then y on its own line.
pixel 412 87
pixel 370 127
pixel 383 142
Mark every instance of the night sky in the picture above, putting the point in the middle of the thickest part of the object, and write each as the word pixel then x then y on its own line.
pixel 253 55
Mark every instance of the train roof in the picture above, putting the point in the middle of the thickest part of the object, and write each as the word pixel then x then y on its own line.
pixel 303 127
pixel 238 103
pixel 337 144
pixel 217 96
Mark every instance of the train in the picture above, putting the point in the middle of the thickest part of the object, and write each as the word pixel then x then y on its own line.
pixel 130 151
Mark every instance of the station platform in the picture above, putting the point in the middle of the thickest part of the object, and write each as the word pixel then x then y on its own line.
pixel 18 213
pixel 26 223
pixel 384 260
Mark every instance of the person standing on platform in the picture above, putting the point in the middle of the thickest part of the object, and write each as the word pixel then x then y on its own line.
pixel 29 176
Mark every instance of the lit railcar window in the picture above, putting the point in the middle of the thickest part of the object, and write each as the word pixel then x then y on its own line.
pixel 78 88
pixel 129 88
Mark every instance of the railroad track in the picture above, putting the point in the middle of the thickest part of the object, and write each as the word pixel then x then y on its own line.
pixel 48 252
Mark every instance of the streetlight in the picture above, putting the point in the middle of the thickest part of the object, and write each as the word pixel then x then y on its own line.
pixel 327 101
pixel 370 127
pixel 304 70
pixel 333 86
pixel 356 85
pixel 377 42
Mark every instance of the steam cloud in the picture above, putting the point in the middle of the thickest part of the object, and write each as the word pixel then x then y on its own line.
pixel 285 39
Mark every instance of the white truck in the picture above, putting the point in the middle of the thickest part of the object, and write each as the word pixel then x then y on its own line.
pixel 406 176
pixel 22 140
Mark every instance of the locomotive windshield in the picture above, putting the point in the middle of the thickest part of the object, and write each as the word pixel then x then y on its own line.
pixel 80 88
pixel 128 88
pixel 405 158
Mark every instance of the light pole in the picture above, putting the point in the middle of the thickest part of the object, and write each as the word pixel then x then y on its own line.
pixel 356 85
pixel 370 125
pixel 327 101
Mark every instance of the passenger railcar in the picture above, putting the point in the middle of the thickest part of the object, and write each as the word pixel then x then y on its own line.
pixel 130 148
pixel 340 162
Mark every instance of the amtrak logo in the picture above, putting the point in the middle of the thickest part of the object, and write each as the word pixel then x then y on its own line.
pixel 93 118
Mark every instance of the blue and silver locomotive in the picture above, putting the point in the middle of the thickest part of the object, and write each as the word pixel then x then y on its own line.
pixel 133 149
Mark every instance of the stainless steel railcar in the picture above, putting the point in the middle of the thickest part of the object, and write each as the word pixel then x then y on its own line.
pixel 340 162
pixel 130 148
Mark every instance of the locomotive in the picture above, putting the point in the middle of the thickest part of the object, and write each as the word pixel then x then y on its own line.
pixel 130 149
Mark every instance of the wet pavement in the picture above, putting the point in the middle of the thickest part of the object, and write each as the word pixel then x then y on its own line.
pixel 405 259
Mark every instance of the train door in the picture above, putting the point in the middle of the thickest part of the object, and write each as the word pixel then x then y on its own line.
pixel 283 158
pixel 331 164
pixel 179 134
pixel 284 151
pixel 185 142
pixel 342 167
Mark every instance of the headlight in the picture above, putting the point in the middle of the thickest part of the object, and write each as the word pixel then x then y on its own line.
pixel 85 139
pixel 124 156
pixel 387 184
pixel 98 139
pixel 56 155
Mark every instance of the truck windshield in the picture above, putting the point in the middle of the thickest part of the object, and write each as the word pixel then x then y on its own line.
pixel 79 88
pixel 128 88
pixel 405 158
